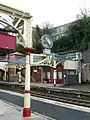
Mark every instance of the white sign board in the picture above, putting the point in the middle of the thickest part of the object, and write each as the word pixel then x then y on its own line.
pixel 46 51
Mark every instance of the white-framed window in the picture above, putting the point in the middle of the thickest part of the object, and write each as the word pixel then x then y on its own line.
pixel 44 75
pixel 60 75
pixel 48 75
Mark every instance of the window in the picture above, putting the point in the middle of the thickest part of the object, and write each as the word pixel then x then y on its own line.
pixel 48 75
pixel 59 75
pixel 44 75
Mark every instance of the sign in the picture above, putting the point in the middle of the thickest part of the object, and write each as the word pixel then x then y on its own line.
pixel 71 72
pixel 46 51
pixel 46 41
pixel 58 57
pixel 35 70
pixel 74 56
pixel 7 42
pixel 68 56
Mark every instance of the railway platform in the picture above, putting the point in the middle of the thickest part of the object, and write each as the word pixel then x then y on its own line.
pixel 77 87
pixel 9 111
pixel 80 87
pixel 73 94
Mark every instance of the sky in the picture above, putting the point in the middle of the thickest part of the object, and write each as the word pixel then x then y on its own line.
pixel 55 12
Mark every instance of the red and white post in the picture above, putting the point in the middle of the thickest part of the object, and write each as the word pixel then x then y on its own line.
pixel 29 50
pixel 27 91
pixel 54 73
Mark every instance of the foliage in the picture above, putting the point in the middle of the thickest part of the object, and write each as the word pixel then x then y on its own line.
pixel 4 52
pixel 39 48
pixel 62 44
pixel 77 37
pixel 47 29
pixel 20 49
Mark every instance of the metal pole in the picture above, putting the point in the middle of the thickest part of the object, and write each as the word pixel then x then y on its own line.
pixel 20 78
pixel 54 73
pixel 79 64
pixel 29 50
pixel 5 75
pixel 5 78
pixel 27 109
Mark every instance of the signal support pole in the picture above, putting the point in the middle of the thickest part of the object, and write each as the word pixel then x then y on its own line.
pixel 29 50
pixel 27 91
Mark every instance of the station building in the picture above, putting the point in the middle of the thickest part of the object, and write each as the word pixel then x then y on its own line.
pixel 67 70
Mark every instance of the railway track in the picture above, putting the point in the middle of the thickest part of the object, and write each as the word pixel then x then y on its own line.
pixel 68 96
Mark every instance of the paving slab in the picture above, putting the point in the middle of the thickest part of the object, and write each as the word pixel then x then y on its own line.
pixel 9 111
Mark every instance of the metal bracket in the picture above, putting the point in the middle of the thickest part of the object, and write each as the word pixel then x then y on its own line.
pixel 26 17
pixel 14 12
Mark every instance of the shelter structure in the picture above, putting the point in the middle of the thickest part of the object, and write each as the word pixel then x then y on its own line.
pixel 66 70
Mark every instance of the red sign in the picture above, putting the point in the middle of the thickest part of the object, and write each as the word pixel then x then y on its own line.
pixel 7 42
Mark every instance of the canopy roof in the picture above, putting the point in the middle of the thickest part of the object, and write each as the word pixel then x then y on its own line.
pixel 23 60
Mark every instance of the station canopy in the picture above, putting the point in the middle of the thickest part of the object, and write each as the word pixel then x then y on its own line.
pixel 39 58
pixel 23 60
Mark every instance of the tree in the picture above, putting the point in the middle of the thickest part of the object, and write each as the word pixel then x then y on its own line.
pixel 79 32
pixel 78 35
pixel 4 52
pixel 20 49
pixel 46 29
pixel 62 44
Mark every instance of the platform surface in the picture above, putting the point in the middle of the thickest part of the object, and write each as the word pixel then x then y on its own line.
pixel 9 111
pixel 80 87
